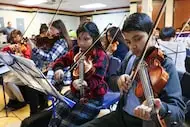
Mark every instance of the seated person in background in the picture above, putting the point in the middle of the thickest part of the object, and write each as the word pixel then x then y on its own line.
pixel 95 87
pixel 117 48
pixel 133 111
pixel 187 58
pixel 172 48
pixel 167 34
pixel 11 81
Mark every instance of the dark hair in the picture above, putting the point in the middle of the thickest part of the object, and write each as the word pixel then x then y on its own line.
pixel 158 28
pixel 43 28
pixel 14 33
pixel 118 36
pixel 58 24
pixel 92 29
pixel 167 32
pixel 138 21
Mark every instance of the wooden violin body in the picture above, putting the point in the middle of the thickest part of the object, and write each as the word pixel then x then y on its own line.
pixel 158 75
pixel 88 66
pixel 46 42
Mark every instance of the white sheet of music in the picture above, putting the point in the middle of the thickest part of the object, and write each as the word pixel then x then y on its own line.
pixel 176 50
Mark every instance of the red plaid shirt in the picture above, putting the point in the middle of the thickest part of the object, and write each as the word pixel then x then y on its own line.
pixel 96 83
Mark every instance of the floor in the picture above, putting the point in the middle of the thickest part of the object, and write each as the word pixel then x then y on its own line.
pixel 15 117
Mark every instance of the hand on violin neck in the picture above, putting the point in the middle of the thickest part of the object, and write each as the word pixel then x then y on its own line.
pixel 78 83
pixel 143 111
pixel 123 83
pixel 59 74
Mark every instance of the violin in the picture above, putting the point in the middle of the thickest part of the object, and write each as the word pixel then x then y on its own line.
pixel 84 68
pixel 112 47
pixel 20 47
pixel 158 75
pixel 89 69
pixel 46 42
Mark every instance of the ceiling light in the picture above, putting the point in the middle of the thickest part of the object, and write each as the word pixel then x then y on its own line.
pixel 93 6
pixel 32 2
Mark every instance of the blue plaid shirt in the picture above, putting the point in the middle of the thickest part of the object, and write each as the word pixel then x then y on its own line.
pixel 59 48
pixel 66 79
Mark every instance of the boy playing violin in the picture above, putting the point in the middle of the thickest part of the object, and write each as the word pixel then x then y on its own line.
pixel 133 111
pixel 95 86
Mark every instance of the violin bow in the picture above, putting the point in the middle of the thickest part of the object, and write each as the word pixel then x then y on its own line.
pixel 31 21
pixel 133 74
pixel 182 30
pixel 56 12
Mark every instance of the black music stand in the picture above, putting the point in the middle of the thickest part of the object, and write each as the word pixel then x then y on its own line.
pixel 31 76
pixel 3 69
pixel 176 51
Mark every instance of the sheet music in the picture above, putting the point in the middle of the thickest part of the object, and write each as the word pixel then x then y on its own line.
pixel 3 69
pixel 25 70
pixel 176 50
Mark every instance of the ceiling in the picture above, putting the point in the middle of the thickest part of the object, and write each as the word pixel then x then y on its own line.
pixel 74 5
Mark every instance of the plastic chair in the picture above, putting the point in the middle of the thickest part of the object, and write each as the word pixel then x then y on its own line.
pixel 110 99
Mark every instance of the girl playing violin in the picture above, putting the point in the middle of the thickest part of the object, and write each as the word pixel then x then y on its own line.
pixel 62 44
pixel 117 48
pixel 133 111
pixel 95 86
pixel 21 48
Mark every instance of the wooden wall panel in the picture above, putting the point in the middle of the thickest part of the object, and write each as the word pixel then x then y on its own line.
pixel 156 9
pixel 181 12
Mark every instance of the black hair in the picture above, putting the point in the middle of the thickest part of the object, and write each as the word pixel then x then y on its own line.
pixel 92 30
pixel 58 24
pixel 138 22
pixel 43 28
pixel 158 28
pixel 167 32
pixel 118 36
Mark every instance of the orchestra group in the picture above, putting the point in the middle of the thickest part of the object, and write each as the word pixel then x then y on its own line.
pixel 143 73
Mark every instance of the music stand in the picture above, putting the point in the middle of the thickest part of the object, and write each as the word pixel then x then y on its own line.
pixel 31 76
pixel 3 70
pixel 173 49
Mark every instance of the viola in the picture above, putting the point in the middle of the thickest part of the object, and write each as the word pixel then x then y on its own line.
pixel 112 47
pixel 46 42
pixel 89 69
pixel 158 75
pixel 20 47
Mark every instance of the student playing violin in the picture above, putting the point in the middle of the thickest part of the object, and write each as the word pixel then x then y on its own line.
pixel 117 48
pixel 21 48
pixel 95 86
pixel 133 111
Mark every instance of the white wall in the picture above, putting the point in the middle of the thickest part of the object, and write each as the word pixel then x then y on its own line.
pixel 114 18
pixel 71 22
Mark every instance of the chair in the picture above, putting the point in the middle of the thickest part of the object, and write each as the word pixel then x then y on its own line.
pixel 111 98
pixel 185 86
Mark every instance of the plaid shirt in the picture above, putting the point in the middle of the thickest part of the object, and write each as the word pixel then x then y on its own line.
pixel 59 48
pixel 66 79
pixel 96 83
